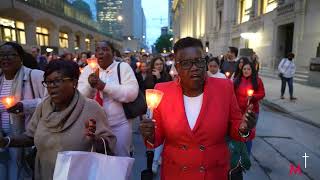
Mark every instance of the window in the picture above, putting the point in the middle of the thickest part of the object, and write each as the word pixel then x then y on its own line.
pixel 63 40
pixel 11 30
pixel 77 42
pixel 245 8
pixel 219 23
pixel 88 44
pixel 266 6
pixel 42 36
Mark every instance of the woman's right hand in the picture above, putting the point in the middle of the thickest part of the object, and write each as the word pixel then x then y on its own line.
pixel 147 127
pixel 3 142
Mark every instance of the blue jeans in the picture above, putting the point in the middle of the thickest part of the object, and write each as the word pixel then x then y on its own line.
pixel 9 168
pixel 284 82
pixel 249 143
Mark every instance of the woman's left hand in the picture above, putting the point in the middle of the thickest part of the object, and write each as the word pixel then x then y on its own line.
pixel 16 109
pixel 156 73
pixel 249 120
pixel 90 128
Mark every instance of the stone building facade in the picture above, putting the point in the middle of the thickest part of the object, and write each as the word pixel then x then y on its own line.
pixel 50 24
pixel 272 28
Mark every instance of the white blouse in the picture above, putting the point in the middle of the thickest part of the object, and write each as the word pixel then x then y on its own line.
pixel 192 106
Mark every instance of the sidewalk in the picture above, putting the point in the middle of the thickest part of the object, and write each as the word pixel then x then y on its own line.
pixel 305 108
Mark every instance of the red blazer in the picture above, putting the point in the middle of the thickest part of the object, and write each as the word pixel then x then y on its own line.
pixel 201 153
pixel 242 97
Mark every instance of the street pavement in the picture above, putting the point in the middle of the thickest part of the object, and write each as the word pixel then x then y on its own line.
pixel 281 140
pixel 306 107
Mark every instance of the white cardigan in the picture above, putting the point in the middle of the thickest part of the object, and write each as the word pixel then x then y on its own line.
pixel 113 94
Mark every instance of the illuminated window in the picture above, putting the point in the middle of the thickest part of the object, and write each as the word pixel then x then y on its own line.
pixel 11 30
pixel 245 8
pixel 88 44
pixel 63 40
pixel 42 36
pixel 77 42
pixel 267 6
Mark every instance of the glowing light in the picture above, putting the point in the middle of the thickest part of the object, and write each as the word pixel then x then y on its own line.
pixel 92 62
pixel 153 98
pixel 120 18
pixel 138 64
pixel 8 101
pixel 250 92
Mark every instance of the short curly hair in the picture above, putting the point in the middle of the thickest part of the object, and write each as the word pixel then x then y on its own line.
pixel 187 42
pixel 69 69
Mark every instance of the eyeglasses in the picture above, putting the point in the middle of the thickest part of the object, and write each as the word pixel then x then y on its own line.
pixel 8 56
pixel 188 63
pixel 54 83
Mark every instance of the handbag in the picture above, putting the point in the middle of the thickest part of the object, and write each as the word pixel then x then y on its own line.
pixel 80 165
pixel 30 153
pixel 136 108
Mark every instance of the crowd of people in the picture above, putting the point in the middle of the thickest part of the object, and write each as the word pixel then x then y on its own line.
pixel 203 127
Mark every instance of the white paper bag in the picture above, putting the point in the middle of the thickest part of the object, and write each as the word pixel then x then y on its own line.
pixel 79 165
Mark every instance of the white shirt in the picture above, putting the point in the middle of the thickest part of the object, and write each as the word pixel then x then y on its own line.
pixel 5 117
pixel 192 106
pixel 113 94
pixel 217 75
pixel 287 68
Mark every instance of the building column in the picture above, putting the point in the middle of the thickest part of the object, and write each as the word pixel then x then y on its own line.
pixel 31 33
pixel 54 37
pixel 253 9
pixel 71 39
pixel 83 43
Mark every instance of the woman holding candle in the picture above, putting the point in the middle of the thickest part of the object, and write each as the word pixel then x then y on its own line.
pixel 158 73
pixel 64 121
pixel 249 88
pixel 104 82
pixel 20 93
pixel 194 142
pixel 239 66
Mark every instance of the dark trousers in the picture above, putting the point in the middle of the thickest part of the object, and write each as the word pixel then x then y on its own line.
pixel 284 82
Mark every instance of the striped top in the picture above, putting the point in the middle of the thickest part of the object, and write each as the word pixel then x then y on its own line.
pixel 5 118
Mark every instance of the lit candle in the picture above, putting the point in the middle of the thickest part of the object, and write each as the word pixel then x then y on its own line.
pixel 249 93
pixel 92 62
pixel 8 101
pixel 227 74
pixel 81 70
pixel 138 64
pixel 153 98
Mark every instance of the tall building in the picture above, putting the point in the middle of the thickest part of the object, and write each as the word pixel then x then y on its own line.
pixel 170 14
pixel 59 25
pixel 109 15
pixel 124 19
pixel 272 28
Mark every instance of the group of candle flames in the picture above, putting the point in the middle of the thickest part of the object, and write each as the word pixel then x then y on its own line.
pixel 153 96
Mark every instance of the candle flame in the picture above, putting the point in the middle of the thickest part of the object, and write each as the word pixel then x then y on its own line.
pixel 250 92
pixel 138 64
pixel 8 101
pixel 227 74
pixel 92 62
pixel 81 70
pixel 153 98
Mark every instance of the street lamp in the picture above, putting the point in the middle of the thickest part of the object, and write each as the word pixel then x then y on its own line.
pixel 120 18
pixel 129 38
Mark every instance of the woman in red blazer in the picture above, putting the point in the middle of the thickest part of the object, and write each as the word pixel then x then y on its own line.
pixel 246 80
pixel 194 118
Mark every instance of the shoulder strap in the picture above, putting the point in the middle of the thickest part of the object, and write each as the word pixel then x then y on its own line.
pixel 31 85
pixel 118 71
